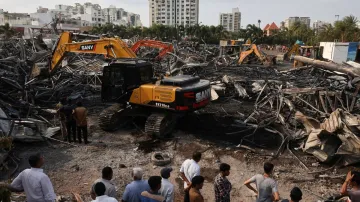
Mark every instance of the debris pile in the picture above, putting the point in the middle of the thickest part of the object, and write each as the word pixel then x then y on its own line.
pixel 291 104
pixel 24 97
pixel 316 106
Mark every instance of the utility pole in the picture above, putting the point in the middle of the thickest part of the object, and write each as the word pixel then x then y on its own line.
pixel 337 17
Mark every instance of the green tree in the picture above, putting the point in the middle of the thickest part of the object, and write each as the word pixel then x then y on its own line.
pixel 7 31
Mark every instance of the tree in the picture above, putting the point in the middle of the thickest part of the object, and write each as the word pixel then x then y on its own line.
pixel 345 29
pixel 254 33
pixel 7 31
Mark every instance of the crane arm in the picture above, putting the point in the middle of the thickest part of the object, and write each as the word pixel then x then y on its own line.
pixel 110 47
pixel 165 47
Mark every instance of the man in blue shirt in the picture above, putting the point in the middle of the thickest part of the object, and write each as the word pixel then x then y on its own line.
pixel 133 190
pixel 153 195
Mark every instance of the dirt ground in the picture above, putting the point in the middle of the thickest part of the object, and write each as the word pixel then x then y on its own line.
pixel 73 169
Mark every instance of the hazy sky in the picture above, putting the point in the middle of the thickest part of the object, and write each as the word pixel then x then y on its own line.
pixel 266 10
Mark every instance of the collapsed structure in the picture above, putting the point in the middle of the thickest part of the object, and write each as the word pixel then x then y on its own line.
pixel 316 107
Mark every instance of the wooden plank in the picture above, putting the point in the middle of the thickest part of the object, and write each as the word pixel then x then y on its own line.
pixel 354 96
pixel 323 104
pixel 290 91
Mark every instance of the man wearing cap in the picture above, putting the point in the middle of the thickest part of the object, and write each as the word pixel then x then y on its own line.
pixel 167 188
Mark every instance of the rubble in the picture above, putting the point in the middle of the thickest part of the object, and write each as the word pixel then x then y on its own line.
pixel 294 105
pixel 24 97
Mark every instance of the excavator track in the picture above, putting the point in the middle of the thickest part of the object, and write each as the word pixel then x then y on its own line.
pixel 159 125
pixel 111 118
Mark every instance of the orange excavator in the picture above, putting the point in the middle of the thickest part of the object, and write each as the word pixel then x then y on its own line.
pixel 163 46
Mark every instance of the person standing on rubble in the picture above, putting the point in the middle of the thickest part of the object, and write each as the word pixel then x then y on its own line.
pixel 295 195
pixel 100 190
pixel 267 190
pixel 80 116
pixel 152 195
pixel 195 195
pixel 62 118
pixel 135 188
pixel 352 180
pixel 67 110
pixel 167 188
pixel 222 185
pixel 190 168
pixel 107 174
pixel 34 182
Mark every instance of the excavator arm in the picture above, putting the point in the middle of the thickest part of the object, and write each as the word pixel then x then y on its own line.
pixel 247 53
pixel 253 49
pixel 243 55
pixel 164 47
pixel 109 47
pixel 294 49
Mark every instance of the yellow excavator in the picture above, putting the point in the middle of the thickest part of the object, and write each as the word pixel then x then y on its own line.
pixel 252 54
pixel 295 50
pixel 129 83
pixel 308 51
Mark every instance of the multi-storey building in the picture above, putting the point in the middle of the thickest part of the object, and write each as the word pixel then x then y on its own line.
pixel 174 12
pixel 119 16
pixel 93 14
pixel 231 21
pixel 292 20
pixel 319 25
pixel 79 15
pixel 14 18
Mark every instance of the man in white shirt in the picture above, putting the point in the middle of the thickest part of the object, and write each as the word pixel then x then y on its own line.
pixel 167 188
pixel 100 189
pixel 107 174
pixel 34 182
pixel 190 168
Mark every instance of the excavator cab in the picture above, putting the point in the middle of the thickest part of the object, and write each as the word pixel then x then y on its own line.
pixel 121 77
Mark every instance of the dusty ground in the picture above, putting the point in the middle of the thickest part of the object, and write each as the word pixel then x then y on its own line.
pixel 73 169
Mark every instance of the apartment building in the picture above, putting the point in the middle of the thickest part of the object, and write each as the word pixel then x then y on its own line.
pixel 174 12
pixel 318 25
pixel 14 18
pixel 119 16
pixel 83 15
pixel 292 20
pixel 231 21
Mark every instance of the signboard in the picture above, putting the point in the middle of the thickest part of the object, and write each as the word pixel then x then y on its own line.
pixel 353 47
pixel 223 43
pixel 87 47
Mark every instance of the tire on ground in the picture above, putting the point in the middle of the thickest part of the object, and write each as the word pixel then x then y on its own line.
pixel 160 158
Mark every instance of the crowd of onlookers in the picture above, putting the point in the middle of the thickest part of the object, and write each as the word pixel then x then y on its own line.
pixel 38 187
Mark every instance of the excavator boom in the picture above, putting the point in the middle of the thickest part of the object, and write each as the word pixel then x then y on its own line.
pixel 294 50
pixel 244 55
pixel 109 47
pixel 165 47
